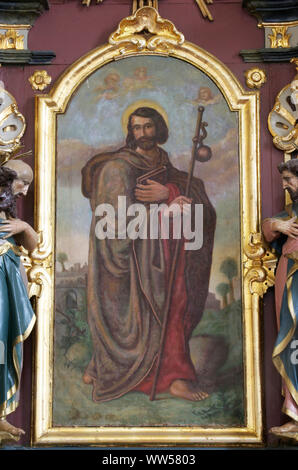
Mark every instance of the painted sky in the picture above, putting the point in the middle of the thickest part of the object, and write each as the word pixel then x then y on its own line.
pixel 92 123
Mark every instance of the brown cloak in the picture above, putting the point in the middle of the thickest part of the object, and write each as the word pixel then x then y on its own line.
pixel 126 279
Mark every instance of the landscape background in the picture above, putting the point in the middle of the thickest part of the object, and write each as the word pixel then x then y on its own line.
pixel 93 124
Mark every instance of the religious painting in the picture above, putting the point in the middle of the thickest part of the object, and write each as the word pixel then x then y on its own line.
pixel 151 320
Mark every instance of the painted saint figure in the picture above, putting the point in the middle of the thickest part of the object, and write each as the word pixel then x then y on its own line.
pixel 16 315
pixel 282 232
pixel 127 279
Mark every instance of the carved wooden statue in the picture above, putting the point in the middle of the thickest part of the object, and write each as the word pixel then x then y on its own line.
pixel 282 232
pixel 16 315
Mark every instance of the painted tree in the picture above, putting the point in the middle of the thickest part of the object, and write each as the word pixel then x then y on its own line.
pixel 229 268
pixel 62 258
pixel 223 289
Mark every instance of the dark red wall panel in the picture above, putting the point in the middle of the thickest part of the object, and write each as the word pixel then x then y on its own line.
pixel 71 30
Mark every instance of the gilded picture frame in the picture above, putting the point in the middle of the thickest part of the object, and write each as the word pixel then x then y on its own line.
pixel 145 34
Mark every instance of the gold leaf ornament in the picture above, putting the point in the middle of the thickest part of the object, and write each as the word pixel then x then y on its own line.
pixel 283 118
pixel 162 33
pixel 259 266
pixel 11 39
pixel 137 4
pixel 255 78
pixel 12 125
pixel 279 37
pixel 88 2
pixel 40 80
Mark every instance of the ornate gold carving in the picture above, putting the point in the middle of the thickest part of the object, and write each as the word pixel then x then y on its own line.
pixel 288 24
pixel 11 39
pixel 136 4
pixel 9 246
pixel 204 9
pixel 18 27
pixel 12 125
pixel 295 61
pixel 162 33
pixel 11 111
pixel 38 267
pixel 40 80
pixel 255 77
pixel 283 119
pixel 87 2
pixel 246 105
pixel 260 265
pixel 279 37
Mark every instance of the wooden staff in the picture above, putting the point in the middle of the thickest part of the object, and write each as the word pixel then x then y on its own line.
pixel 197 140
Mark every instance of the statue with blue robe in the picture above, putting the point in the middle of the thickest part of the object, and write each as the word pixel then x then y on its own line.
pixel 282 233
pixel 16 315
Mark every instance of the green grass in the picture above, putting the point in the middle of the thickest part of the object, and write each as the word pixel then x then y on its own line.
pixel 73 405
pixel 226 323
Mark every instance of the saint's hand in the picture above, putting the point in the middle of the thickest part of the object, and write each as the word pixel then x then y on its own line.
pixel 24 233
pixel 13 227
pixel 288 227
pixel 179 205
pixel 151 192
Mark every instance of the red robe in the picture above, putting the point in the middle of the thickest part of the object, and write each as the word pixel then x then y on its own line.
pixel 176 362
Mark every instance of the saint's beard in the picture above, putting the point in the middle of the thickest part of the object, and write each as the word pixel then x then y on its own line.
pixel 293 194
pixel 8 203
pixel 146 143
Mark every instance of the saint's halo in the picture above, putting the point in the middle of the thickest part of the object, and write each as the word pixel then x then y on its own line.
pixel 142 104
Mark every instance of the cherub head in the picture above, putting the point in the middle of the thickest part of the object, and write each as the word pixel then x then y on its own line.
pixel 141 73
pixel 204 93
pixel 112 80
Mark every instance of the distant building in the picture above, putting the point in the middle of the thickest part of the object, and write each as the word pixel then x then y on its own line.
pixel 70 287
pixel 212 303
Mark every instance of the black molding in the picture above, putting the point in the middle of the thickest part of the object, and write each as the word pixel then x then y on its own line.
pixel 41 57
pixel 269 55
pixel 22 12
pixel 272 11
pixel 26 57
pixel 28 6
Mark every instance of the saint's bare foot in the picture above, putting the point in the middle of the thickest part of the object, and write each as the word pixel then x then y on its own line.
pixel 87 379
pixel 292 426
pixel 7 427
pixel 184 389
